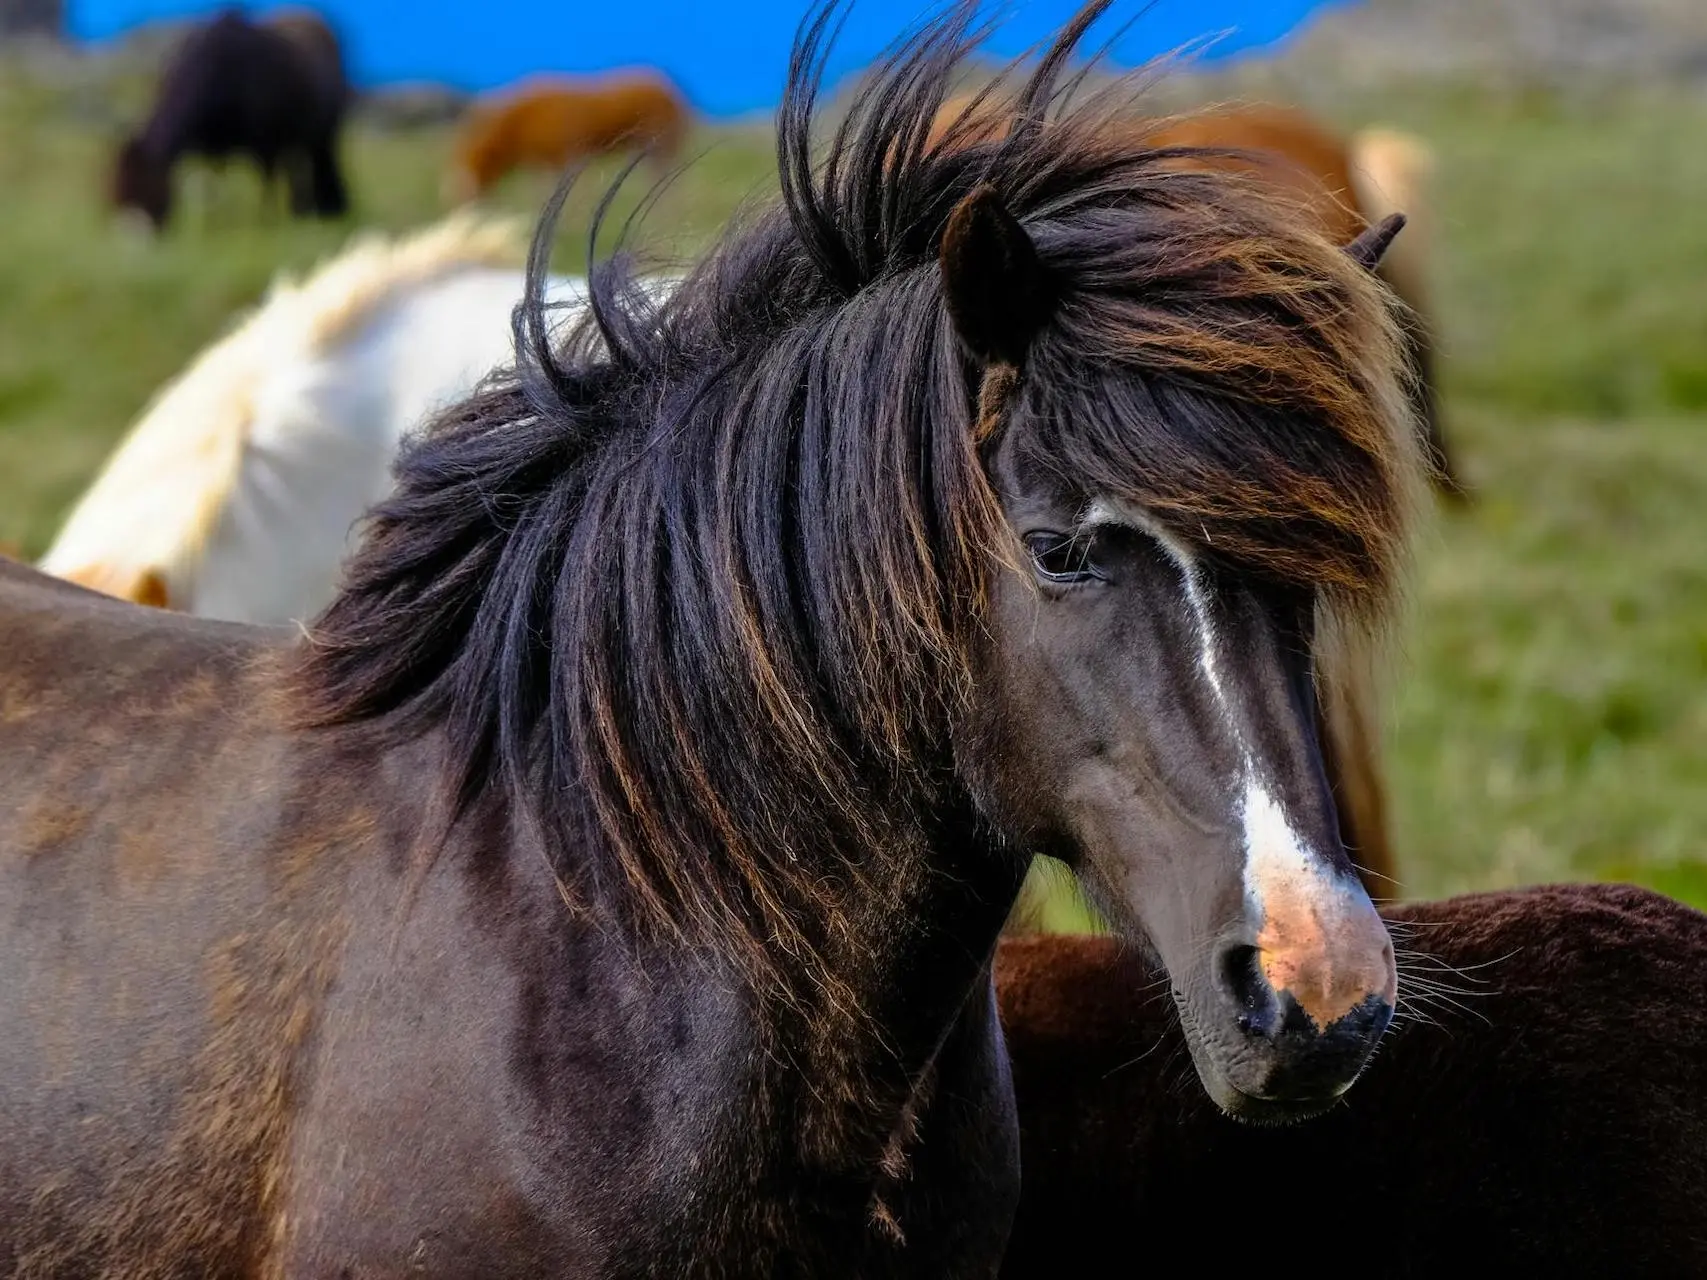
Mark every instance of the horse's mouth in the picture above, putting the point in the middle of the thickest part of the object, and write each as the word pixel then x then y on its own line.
pixel 1247 1108
pixel 1238 1104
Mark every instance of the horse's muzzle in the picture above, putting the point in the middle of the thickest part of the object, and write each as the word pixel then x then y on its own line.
pixel 1295 1030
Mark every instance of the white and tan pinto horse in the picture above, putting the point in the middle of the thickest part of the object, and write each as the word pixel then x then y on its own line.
pixel 235 494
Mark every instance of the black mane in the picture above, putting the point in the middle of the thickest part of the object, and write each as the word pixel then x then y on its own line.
pixel 702 591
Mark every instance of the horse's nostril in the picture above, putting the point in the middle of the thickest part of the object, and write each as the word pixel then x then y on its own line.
pixel 1243 981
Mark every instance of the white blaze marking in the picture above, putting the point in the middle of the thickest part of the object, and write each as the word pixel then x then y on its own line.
pixel 1103 512
pixel 1302 906
pixel 1276 856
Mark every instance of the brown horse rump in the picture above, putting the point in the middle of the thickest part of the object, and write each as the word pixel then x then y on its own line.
pixel 1539 1110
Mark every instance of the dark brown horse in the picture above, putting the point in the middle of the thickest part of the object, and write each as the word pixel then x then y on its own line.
pixel 274 93
pixel 1540 1111
pixel 609 883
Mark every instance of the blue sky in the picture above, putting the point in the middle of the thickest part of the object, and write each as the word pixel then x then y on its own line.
pixel 728 55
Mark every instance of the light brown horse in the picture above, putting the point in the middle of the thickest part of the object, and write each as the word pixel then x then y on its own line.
pixel 552 121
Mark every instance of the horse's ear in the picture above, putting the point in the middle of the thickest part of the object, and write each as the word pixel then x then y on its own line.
pixel 996 289
pixel 1372 243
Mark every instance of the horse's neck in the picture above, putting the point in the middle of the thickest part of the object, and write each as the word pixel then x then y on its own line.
pixel 923 961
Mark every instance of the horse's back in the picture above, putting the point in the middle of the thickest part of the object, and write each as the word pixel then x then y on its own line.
pixel 310 31
pixel 235 85
pixel 142 784
pixel 552 121
pixel 640 108
pixel 1286 146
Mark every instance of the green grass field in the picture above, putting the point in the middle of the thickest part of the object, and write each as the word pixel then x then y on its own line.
pixel 1549 717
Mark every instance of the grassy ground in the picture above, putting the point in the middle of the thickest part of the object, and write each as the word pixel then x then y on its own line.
pixel 1551 716
pixel 1550 712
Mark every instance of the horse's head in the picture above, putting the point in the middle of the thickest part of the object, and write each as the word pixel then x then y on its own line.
pixel 141 181
pixel 1152 693
pixel 814 651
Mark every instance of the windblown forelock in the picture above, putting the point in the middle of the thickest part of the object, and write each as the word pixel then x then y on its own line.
pixel 1255 414
pixel 704 591
pixel 1215 361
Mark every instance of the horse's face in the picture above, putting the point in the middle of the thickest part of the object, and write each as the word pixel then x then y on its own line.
pixel 1158 718
pixel 1153 715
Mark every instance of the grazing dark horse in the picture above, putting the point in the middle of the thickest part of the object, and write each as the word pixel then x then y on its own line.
pixel 234 87
pixel 608 883
pixel 1541 1114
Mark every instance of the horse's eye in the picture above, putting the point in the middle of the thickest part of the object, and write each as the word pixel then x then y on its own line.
pixel 1061 557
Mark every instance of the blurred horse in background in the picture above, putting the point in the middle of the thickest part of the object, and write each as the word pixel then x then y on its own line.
pixel 273 91
pixel 551 122
pixel 233 496
pixel 1536 1110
